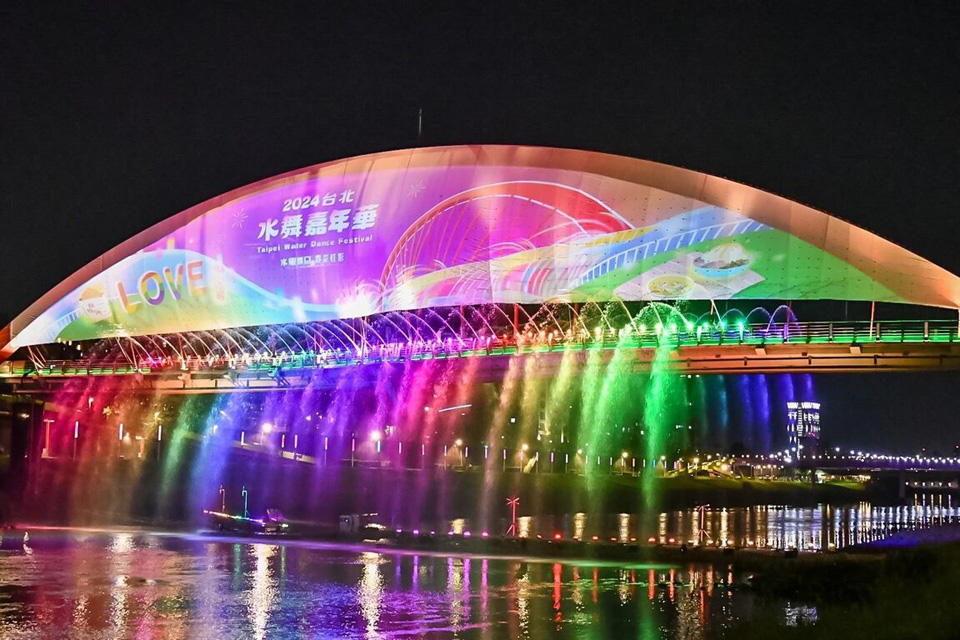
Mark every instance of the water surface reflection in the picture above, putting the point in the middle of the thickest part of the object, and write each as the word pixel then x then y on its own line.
pixel 821 528
pixel 151 586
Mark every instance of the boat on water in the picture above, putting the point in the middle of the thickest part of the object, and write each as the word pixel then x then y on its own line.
pixel 273 523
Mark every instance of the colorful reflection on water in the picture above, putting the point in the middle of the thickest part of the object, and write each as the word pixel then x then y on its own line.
pixel 821 528
pixel 76 584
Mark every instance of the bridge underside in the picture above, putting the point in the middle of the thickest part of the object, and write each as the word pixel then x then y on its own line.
pixel 492 366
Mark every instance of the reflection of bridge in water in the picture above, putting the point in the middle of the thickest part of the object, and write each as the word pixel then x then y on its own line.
pixel 269 357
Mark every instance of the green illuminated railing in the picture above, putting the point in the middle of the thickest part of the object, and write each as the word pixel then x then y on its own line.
pixel 631 336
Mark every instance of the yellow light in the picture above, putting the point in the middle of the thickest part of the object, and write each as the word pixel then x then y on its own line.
pixel 459 442
pixel 524 447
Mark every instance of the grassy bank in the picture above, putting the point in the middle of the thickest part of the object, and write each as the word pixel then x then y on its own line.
pixel 908 594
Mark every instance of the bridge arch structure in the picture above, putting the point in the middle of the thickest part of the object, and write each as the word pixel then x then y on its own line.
pixel 480 250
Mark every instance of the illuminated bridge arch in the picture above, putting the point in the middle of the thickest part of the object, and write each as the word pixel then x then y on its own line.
pixel 405 232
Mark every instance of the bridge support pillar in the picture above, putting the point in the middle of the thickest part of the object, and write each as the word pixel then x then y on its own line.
pixel 902 485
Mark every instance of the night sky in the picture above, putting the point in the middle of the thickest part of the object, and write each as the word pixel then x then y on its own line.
pixel 115 115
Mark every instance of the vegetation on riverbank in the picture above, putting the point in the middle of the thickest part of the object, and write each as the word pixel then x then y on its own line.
pixel 910 593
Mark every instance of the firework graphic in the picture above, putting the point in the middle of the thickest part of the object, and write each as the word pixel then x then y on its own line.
pixel 239 217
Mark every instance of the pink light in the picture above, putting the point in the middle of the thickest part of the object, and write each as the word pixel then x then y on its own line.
pixel 76 429
pixel 416 532
pixel 466 534
pixel 485 535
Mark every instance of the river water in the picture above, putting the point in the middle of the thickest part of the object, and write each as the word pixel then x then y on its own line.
pixel 821 528
pixel 143 585
pixel 139 584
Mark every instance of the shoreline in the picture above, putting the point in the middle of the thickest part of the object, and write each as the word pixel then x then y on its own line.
pixel 530 550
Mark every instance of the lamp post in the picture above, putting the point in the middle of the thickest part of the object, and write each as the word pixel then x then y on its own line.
pixel 46 437
pixel 223 499
pixel 244 493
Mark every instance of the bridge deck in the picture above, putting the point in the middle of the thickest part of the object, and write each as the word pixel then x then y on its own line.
pixel 806 347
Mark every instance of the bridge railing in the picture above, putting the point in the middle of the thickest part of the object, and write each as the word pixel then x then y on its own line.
pixel 634 336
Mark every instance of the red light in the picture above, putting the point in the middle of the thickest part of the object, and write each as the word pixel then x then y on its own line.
pixel 595 538
pixel 652 540
pixel 557 536
pixel 671 540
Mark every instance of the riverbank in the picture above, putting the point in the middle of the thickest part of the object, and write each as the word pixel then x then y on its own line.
pixel 401 498
pixel 674 552
pixel 911 593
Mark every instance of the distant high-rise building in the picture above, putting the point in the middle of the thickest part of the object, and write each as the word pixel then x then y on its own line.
pixel 803 424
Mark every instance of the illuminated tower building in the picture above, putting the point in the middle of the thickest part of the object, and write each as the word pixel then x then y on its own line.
pixel 803 426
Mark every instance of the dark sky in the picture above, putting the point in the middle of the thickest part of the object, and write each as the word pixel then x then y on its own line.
pixel 115 115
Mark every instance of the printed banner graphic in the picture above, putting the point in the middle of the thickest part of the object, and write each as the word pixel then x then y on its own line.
pixel 395 239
